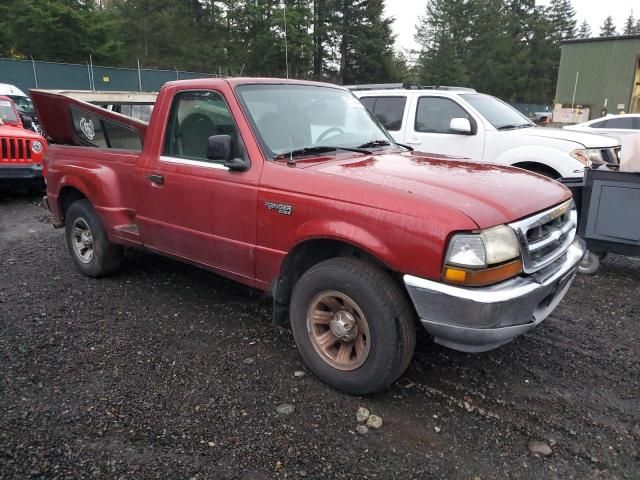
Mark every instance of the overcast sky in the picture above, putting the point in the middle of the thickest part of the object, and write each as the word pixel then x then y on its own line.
pixel 406 13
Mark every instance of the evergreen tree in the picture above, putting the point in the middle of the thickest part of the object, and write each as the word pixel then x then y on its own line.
pixel 442 34
pixel 545 59
pixel 629 25
pixel 585 30
pixel 608 28
pixel 562 17
pixel 366 42
pixel 60 30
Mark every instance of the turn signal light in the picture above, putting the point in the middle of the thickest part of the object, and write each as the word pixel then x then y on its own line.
pixel 481 278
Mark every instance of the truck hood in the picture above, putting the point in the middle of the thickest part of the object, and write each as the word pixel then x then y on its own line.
pixel 584 140
pixel 17 131
pixel 486 193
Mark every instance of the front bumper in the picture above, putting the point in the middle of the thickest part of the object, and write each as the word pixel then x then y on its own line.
pixel 28 171
pixel 481 319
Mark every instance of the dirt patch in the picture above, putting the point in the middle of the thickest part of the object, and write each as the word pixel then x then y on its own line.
pixel 143 375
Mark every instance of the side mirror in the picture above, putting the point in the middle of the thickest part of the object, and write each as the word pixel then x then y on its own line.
pixel 27 122
pixel 219 147
pixel 460 125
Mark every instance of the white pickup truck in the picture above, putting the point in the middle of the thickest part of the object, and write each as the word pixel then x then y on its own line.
pixel 464 123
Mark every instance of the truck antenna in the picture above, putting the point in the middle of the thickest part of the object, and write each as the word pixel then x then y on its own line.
pixel 290 162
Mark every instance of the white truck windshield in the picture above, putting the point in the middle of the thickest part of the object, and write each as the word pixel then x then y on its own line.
pixel 501 115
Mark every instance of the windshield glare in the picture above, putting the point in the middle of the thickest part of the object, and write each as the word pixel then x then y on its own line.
pixel 292 117
pixel 499 114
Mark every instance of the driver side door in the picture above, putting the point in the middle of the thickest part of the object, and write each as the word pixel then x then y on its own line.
pixel 196 208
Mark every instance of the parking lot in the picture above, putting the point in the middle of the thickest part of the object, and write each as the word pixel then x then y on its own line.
pixel 167 371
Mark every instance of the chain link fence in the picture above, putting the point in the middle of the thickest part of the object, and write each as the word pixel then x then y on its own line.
pixel 27 74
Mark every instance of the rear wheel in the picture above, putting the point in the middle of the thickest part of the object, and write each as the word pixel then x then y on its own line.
pixel 91 251
pixel 353 325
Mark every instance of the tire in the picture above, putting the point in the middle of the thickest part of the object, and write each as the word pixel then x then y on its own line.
pixel 349 292
pixel 590 263
pixel 91 251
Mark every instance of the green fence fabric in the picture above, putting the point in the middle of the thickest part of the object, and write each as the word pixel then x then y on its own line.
pixel 27 74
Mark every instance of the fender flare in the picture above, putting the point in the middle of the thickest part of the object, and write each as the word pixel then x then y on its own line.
pixel 550 157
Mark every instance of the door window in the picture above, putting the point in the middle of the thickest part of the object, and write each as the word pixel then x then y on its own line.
pixel 195 116
pixel 97 132
pixel 602 124
pixel 388 110
pixel 626 123
pixel 434 114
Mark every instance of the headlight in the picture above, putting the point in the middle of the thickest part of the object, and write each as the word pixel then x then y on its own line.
pixel 36 146
pixel 482 258
pixel 588 156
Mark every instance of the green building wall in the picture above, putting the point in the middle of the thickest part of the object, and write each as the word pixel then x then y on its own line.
pixel 607 69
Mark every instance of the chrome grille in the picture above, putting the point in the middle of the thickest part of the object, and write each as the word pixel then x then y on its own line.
pixel 15 150
pixel 546 236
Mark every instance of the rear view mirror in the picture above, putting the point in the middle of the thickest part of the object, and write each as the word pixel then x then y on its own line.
pixel 460 125
pixel 219 147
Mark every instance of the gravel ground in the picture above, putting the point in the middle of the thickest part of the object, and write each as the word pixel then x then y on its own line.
pixel 146 374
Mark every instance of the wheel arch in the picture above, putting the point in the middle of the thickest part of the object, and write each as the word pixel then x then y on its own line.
pixel 305 255
pixel 542 157
pixel 69 194
pixel 540 168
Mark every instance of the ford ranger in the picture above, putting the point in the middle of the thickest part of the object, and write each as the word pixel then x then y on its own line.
pixel 295 189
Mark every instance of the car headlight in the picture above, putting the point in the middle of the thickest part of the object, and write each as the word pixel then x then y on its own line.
pixel 36 146
pixel 482 258
pixel 588 156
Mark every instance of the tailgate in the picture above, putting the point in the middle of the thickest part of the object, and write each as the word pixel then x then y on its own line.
pixel 71 121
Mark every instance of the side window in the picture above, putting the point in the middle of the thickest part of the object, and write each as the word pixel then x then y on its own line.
pixel 602 124
pixel 97 132
pixel 434 114
pixel 388 110
pixel 194 117
pixel 626 122
pixel 370 103
pixel 89 128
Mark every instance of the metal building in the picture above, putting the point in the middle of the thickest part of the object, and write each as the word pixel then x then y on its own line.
pixel 601 74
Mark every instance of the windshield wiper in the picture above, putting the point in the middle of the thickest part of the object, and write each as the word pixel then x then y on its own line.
pixel 513 127
pixel 383 143
pixel 313 150
pixel 375 143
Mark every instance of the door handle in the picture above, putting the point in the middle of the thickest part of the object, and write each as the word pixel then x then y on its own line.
pixel 156 178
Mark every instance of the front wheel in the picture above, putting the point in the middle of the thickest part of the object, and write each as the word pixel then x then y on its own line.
pixel 353 325
pixel 91 251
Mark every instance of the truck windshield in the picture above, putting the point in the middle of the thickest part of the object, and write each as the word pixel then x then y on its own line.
pixel 7 113
pixel 501 115
pixel 301 118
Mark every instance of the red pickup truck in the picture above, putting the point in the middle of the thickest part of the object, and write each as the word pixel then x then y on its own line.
pixel 293 188
pixel 21 150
